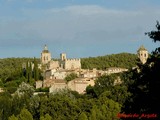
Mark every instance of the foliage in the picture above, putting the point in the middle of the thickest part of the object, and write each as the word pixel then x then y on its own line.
pixel 105 84
pixel 124 60
pixel 146 82
pixel 11 68
pixel 59 106
pixel 42 89
pixel 102 101
pixel 82 116
pixel 13 117
pixel 25 115
pixel 5 106
pixel 46 117
pixel 71 77
pixel 63 106
pixel 25 88
pixel 36 71
pixel 12 73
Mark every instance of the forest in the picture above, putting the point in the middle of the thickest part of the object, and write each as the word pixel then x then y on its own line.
pixel 123 60
pixel 135 98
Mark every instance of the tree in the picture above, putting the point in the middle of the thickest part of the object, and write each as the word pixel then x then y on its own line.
pixel 36 71
pixel 13 117
pixel 104 83
pixel 71 77
pixel 59 106
pixel 95 114
pixel 124 60
pixel 25 115
pixel 145 98
pixel 46 117
pixel 82 116
pixel 5 106
pixel 26 89
pixel 118 93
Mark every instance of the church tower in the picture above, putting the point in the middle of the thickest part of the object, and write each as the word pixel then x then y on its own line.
pixel 63 56
pixel 45 55
pixel 142 54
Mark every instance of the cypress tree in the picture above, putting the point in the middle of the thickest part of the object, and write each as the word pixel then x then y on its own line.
pixel 36 72
pixel 27 71
pixel 30 72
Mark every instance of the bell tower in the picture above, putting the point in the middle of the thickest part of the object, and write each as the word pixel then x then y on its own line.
pixel 142 54
pixel 45 55
pixel 63 56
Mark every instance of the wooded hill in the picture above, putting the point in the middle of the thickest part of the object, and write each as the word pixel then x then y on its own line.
pixel 12 66
pixel 124 60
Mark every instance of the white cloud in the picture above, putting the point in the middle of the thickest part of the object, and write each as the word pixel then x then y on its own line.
pixel 89 10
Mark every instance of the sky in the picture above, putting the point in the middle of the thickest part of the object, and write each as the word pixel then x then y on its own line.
pixel 79 28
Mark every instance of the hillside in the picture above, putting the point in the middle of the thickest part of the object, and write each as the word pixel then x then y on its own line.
pixel 11 66
pixel 124 60
pixel 8 66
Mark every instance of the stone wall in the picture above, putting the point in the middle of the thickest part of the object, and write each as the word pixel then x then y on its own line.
pixel 45 57
pixel 53 64
pixel 143 56
pixel 78 84
pixel 39 84
pixel 72 64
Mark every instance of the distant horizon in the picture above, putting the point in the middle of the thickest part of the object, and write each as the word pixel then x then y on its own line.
pixel 58 57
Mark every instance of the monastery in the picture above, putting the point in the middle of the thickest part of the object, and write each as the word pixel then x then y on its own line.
pixel 63 63
pixel 56 70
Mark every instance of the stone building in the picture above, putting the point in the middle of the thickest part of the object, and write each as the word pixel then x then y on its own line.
pixel 89 73
pixel 142 54
pixel 113 70
pixel 53 65
pixel 45 55
pixel 78 84
pixel 69 64
pixel 63 63
pixel 58 85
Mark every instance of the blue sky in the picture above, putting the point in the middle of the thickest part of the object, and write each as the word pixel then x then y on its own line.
pixel 80 28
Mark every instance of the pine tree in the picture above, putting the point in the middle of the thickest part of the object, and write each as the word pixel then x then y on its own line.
pixel 83 116
pixel 13 117
pixel 25 115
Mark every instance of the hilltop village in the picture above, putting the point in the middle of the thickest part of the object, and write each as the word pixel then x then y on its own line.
pixel 55 72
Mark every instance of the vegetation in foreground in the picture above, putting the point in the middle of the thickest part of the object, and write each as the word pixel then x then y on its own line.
pixel 137 94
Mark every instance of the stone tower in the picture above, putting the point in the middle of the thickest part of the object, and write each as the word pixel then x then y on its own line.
pixel 142 54
pixel 63 56
pixel 45 55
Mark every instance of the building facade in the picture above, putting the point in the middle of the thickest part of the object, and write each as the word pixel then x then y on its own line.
pixel 45 55
pixel 142 54
pixel 63 63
